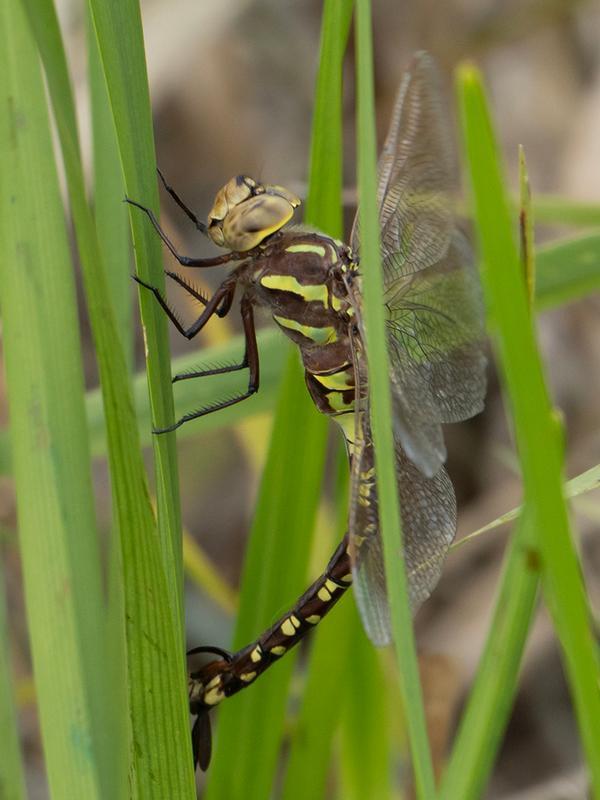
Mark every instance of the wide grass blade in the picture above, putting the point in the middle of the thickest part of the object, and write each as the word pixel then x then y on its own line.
pixel 157 697
pixel 381 417
pixel 275 566
pixel 118 29
pixel 539 437
pixel 365 751
pixel 318 718
pixel 250 725
pixel 60 557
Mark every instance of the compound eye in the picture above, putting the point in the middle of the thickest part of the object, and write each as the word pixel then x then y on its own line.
pixel 237 191
pixel 249 223
pixel 215 231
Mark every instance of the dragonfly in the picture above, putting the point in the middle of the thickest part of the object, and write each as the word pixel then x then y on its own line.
pixel 311 285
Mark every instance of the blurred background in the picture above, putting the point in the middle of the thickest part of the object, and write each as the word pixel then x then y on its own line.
pixel 232 85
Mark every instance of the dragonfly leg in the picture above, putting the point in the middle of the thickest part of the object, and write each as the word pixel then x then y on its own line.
pixel 221 311
pixel 187 211
pixel 220 298
pixel 250 360
pixel 185 261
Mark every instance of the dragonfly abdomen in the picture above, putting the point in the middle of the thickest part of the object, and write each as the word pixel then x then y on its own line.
pixel 221 679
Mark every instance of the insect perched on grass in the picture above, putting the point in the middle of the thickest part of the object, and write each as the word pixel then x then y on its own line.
pixel 311 284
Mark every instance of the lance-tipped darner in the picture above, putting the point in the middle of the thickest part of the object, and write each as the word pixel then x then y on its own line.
pixel 311 285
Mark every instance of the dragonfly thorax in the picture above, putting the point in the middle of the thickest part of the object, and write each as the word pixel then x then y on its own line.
pixel 246 212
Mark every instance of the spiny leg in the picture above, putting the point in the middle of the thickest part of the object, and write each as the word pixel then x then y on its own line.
pixel 250 360
pixel 220 297
pixel 187 211
pixel 221 311
pixel 185 261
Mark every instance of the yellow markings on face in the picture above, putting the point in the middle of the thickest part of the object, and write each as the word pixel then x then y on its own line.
pixel 313 619
pixel 324 594
pixel 214 682
pixel 287 283
pixel 290 626
pixel 256 654
pixel 306 248
pixel 325 335
pixel 339 381
pixel 247 676
pixel 278 650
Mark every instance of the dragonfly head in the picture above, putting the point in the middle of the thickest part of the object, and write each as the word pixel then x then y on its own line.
pixel 246 212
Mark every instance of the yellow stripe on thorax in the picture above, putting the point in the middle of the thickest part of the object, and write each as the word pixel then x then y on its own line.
pixel 287 283
pixel 325 335
pixel 306 248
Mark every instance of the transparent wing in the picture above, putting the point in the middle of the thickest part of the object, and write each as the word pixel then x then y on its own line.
pixel 435 326
pixel 428 526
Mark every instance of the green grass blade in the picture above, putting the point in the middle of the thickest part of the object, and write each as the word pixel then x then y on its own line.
pixel 552 210
pixel 581 484
pixel 250 725
pixel 318 717
pixel 567 270
pixel 275 569
pixel 381 418
pixel 61 565
pixel 322 696
pixel 365 741
pixel 12 777
pixel 111 216
pixel 155 656
pixel 118 29
pixel 538 436
pixel 490 699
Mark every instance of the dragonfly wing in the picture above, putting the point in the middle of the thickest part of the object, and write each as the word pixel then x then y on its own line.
pixel 428 509
pixel 435 336
pixel 435 320
pixel 416 176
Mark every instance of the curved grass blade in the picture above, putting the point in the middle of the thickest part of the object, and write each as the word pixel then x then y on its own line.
pixel 538 436
pixel 492 694
pixel 381 419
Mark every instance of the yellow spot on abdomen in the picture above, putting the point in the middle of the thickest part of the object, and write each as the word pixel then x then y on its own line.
pixel 313 619
pixel 278 650
pixel 324 594
pixel 290 626
pixel 256 654
pixel 247 676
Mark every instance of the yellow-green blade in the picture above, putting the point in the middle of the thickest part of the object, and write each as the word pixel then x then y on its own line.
pixel 381 416
pixel 60 557
pixel 538 436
